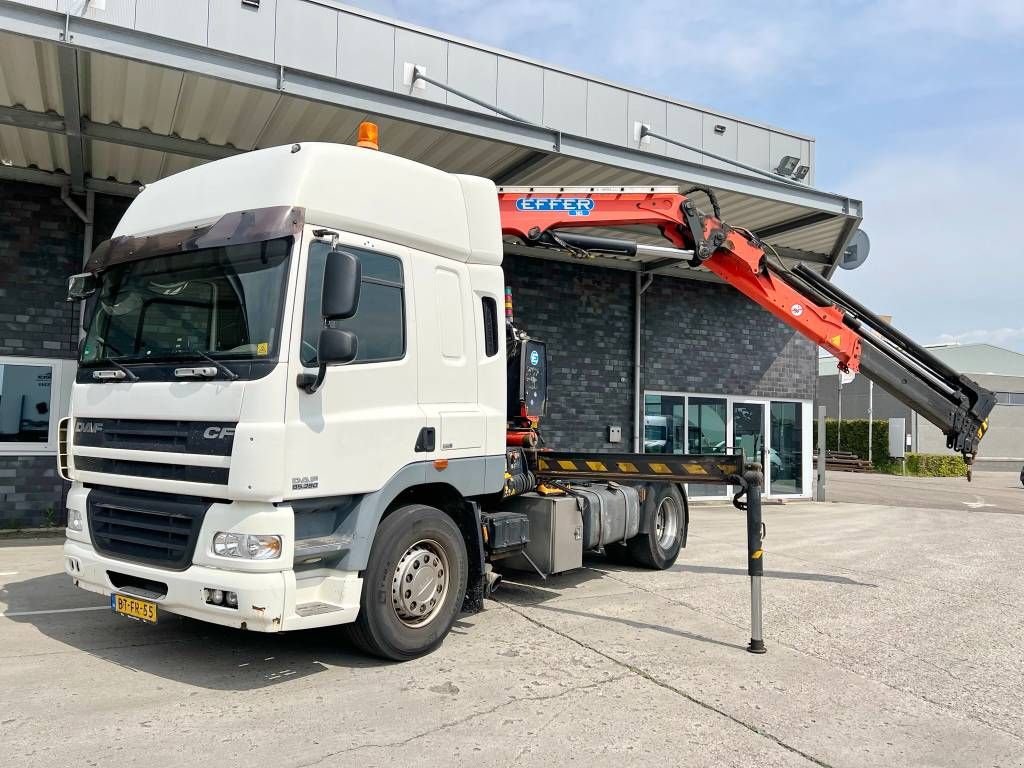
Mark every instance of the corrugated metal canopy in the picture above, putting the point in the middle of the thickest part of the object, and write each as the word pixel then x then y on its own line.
pixel 140 122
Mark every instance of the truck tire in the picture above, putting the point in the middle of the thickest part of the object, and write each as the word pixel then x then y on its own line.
pixel 664 515
pixel 413 585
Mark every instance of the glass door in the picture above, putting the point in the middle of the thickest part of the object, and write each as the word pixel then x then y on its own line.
pixel 785 458
pixel 748 430
pixel 706 422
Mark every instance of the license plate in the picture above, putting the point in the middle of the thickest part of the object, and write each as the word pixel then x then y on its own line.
pixel 143 610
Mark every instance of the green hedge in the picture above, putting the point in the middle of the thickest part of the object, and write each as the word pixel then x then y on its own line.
pixel 854 438
pixel 929 465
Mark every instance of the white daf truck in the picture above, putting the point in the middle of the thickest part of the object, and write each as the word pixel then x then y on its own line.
pixel 298 403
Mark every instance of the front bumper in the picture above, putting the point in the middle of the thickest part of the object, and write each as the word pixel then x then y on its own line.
pixel 267 602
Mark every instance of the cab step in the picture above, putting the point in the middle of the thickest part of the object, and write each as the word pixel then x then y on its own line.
pixel 310 549
pixel 316 609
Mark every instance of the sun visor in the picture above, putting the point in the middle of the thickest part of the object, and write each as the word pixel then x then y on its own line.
pixel 237 228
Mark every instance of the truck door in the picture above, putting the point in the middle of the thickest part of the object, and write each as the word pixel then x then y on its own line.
pixel 445 311
pixel 362 425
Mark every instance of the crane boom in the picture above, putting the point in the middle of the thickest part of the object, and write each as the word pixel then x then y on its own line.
pixel 859 339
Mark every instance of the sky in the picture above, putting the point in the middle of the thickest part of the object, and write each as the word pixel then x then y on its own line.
pixel 917 108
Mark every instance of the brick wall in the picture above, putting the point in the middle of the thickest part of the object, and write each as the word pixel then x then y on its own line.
pixel 40 245
pixel 698 337
pixel 585 315
pixel 707 337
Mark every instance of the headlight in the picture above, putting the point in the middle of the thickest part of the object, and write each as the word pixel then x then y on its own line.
pixel 74 519
pixel 250 546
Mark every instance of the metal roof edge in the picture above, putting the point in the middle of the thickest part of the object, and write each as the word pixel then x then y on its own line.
pixel 88 34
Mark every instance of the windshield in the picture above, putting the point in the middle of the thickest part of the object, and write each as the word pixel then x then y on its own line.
pixel 223 302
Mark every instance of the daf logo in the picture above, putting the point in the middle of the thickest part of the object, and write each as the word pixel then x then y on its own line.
pixel 218 433
pixel 88 426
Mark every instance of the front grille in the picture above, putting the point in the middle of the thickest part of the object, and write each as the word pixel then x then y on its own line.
pixel 152 528
pixel 183 472
pixel 209 438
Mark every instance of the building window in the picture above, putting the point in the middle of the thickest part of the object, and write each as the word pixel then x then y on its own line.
pixel 379 323
pixel 32 400
pixel 773 432
pixel 25 403
pixel 664 423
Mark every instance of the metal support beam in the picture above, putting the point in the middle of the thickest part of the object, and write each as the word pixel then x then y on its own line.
pixel 840 246
pixel 67 60
pixel 55 179
pixel 144 139
pixel 18 117
pixel 773 230
pixel 115 134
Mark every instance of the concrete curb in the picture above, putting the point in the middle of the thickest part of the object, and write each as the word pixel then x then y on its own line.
pixel 31 533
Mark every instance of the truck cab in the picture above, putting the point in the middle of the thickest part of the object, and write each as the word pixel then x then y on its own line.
pixel 224 464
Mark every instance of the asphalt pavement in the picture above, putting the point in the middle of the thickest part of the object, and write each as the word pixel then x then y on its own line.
pixel 988 492
pixel 895 638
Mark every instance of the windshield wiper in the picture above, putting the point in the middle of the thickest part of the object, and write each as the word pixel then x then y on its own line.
pixel 113 375
pixel 219 365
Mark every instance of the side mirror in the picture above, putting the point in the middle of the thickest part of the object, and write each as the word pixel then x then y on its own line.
pixel 82 286
pixel 335 347
pixel 342 276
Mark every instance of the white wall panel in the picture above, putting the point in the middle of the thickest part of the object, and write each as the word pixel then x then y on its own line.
pixel 606 113
pixel 714 139
pixel 366 52
pixel 243 29
pixel 685 125
pixel 307 37
pixel 184 20
pixel 474 72
pixel 521 89
pixel 424 51
pixel 753 145
pixel 565 102
pixel 650 112
pixel 120 12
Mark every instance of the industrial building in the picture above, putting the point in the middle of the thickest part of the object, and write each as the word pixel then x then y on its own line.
pixel 98 98
pixel 997 369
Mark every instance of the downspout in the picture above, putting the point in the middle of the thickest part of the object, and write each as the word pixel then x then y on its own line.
pixel 87 217
pixel 643 282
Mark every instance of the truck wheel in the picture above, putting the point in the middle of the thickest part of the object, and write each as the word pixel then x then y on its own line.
pixel 413 585
pixel 664 515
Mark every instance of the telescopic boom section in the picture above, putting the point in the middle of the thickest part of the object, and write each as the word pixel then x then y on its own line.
pixel 805 301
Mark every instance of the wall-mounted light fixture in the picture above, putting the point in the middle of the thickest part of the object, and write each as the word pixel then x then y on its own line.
pixel 787 165
pixel 719 129
pixel 801 172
